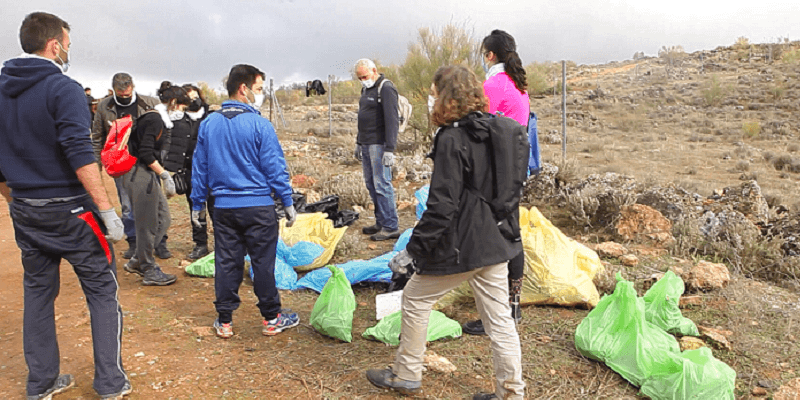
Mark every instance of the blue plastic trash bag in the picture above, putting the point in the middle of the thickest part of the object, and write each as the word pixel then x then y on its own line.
pixel 374 270
pixel 535 158
pixel 303 253
pixel 422 200
pixel 285 275
pixel 402 241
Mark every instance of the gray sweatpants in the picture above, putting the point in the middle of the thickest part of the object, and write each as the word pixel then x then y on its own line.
pixel 150 211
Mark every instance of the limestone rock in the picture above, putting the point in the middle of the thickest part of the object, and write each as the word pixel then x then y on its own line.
pixel 610 249
pixel 718 338
pixel 707 276
pixel 758 391
pixel 312 115
pixel 629 260
pixel 437 363
pixel 748 200
pixel 691 343
pixel 641 223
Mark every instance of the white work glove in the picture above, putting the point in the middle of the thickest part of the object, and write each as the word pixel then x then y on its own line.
pixel 291 216
pixel 116 231
pixel 197 215
pixel 357 152
pixel 388 159
pixel 401 262
pixel 169 184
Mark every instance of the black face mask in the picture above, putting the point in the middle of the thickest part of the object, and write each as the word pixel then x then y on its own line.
pixel 124 100
pixel 195 105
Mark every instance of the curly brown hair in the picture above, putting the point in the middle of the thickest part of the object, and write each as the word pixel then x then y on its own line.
pixel 459 93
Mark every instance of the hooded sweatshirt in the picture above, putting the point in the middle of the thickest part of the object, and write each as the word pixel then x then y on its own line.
pixel 44 129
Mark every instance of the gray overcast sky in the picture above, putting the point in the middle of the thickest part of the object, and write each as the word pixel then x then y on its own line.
pixel 299 40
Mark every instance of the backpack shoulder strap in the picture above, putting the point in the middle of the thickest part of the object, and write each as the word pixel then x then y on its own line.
pixel 380 88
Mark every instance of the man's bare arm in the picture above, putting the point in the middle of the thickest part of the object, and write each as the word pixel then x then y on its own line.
pixel 89 176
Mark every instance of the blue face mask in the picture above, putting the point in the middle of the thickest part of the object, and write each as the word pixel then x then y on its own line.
pixel 485 67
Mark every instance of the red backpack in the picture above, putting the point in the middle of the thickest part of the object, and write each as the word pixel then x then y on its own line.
pixel 115 157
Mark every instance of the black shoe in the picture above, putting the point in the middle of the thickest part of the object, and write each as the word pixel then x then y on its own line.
pixel 62 383
pixel 386 379
pixel 134 266
pixel 371 230
pixel 484 396
pixel 386 235
pixel 131 252
pixel 155 277
pixel 198 252
pixel 162 252
pixel 474 328
pixel 126 390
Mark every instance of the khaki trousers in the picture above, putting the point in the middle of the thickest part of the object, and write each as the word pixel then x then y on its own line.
pixel 490 288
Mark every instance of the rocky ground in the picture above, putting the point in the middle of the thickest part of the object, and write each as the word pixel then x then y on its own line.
pixel 656 179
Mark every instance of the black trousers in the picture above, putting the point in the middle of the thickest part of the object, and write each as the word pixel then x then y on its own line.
pixel 73 231
pixel 240 231
pixel 200 235
pixel 516 267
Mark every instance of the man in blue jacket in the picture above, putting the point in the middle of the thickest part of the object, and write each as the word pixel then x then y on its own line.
pixel 238 157
pixel 59 207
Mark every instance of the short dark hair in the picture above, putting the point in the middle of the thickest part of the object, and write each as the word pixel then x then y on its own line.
pixel 121 81
pixel 242 73
pixel 38 28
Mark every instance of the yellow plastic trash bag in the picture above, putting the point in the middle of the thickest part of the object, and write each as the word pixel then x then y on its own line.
pixel 314 228
pixel 558 270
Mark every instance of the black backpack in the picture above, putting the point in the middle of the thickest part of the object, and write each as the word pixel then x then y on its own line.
pixel 509 149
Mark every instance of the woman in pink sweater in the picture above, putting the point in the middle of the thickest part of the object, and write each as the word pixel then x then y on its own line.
pixel 505 87
pixel 506 84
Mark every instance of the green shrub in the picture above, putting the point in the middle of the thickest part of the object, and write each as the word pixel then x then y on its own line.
pixel 751 129
pixel 714 91
pixel 791 57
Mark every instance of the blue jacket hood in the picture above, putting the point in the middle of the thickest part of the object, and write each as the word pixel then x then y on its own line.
pixel 20 74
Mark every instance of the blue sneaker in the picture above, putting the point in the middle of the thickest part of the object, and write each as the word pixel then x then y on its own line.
pixel 282 322
pixel 62 383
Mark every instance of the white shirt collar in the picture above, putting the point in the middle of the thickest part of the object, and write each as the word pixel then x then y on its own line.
pixel 495 69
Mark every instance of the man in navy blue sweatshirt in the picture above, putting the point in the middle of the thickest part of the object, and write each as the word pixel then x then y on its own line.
pixel 59 207
pixel 239 159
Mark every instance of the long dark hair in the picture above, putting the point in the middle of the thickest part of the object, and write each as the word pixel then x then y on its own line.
pixel 504 47
pixel 167 92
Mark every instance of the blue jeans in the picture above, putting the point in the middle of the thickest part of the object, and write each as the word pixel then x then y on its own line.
pixel 128 224
pixel 379 184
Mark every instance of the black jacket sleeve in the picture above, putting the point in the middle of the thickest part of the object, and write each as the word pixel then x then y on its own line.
pixel 447 184
pixel 391 116
pixel 150 129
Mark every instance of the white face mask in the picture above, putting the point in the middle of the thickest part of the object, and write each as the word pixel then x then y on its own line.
pixel 175 115
pixel 64 63
pixel 431 102
pixel 368 83
pixel 258 99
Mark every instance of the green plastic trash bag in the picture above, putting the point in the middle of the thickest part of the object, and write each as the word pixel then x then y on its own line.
pixel 388 329
pixel 333 312
pixel 616 333
pixel 693 374
pixel 203 267
pixel 661 306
